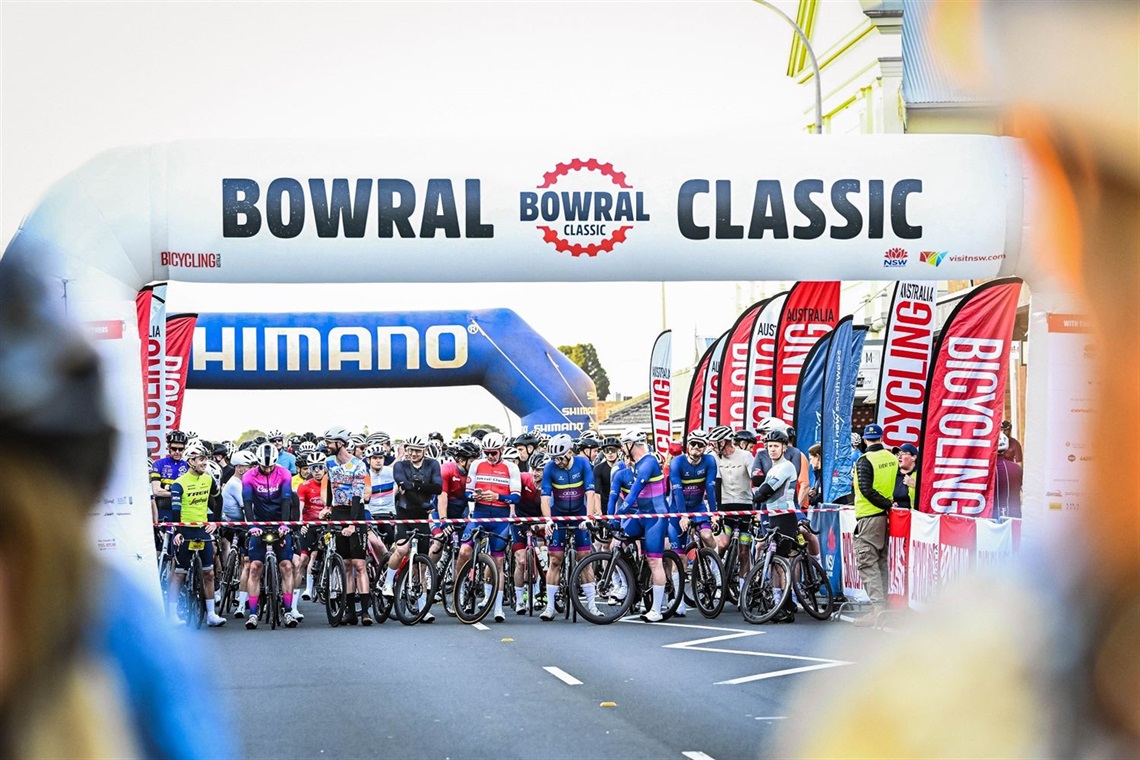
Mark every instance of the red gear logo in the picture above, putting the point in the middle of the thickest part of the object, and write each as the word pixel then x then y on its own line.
pixel 561 244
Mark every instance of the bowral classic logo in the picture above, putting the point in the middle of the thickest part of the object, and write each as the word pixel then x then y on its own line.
pixel 585 207
pixel 895 257
pixel 933 258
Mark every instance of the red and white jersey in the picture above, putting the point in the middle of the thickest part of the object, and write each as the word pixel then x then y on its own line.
pixel 454 482
pixel 312 500
pixel 502 478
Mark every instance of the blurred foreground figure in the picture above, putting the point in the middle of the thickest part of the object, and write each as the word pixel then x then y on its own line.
pixel 80 674
pixel 1045 663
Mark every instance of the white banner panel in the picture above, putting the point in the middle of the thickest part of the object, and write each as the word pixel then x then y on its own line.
pixel 995 547
pixel 852 583
pixel 922 575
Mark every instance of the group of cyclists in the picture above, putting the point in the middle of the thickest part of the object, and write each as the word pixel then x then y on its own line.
pixel 376 501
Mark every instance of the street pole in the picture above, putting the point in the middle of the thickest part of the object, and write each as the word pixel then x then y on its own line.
pixel 811 56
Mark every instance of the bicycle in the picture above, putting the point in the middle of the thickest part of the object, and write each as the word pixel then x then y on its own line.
pixel 622 576
pixel 471 597
pixel 445 571
pixel 415 582
pixel 273 606
pixel 731 559
pixel 377 567
pixel 760 600
pixel 231 572
pixel 332 577
pixel 809 580
pixel 707 575
pixel 535 564
pixel 165 566
pixel 192 595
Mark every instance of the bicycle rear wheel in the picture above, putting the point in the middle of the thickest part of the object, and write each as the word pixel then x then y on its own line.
pixel 337 600
pixel 760 601
pixel 470 597
pixel 381 604
pixel 445 572
pixel 813 589
pixel 614 587
pixel 707 583
pixel 229 583
pixel 413 588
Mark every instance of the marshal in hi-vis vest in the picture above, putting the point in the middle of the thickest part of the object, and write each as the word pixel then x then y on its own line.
pixel 886 467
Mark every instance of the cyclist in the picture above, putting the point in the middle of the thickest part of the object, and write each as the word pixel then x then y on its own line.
pixel 285 458
pixel 693 483
pixel 344 489
pixel 647 496
pixel 221 454
pixel 303 474
pixel 267 496
pixel 801 463
pixel 745 440
pixel 382 501
pixel 312 503
pixel 526 443
pixel 734 479
pixel 418 480
pixel 167 470
pixel 452 501
pixel 190 503
pixel 530 505
pixel 603 471
pixel 232 511
pixel 495 486
pixel 567 489
pixel 777 496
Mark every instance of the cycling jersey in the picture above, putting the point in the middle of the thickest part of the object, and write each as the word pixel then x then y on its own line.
pixel 530 499
pixel 735 476
pixel 190 497
pixel 297 481
pixel 166 471
pixel 621 480
pixel 419 485
pixel 502 478
pixel 567 488
pixel 346 482
pixel 267 497
pixel 288 461
pixel 455 487
pixel 781 478
pixel 232 500
pixel 312 500
pixel 792 455
pixel 648 493
pixel 383 501
pixel 693 484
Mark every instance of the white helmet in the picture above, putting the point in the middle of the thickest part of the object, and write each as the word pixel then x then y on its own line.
pixel 306 447
pixel 194 449
pixel 338 434
pixel 511 453
pixel 493 442
pixel 355 440
pixel 632 435
pixel 1003 442
pixel 215 471
pixel 856 439
pixel 560 445
pixel 243 458
pixel 416 441
pixel 373 451
pixel 266 454
pixel 275 434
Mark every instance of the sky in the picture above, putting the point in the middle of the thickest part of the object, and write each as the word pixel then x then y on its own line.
pixel 81 78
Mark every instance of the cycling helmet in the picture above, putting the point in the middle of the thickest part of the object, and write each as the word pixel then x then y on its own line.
pixel 479 433
pixel 492 442
pixel 435 436
pixel 266 454
pixel 526 439
pixel 856 439
pixel 560 445
pixel 434 449
pixel 259 440
pixel 373 451
pixel 465 450
pixel 611 442
pixel 177 436
pixel 698 436
pixel 191 435
pixel 511 453
pixel 273 435
pixel 415 442
pixel 589 440
pixel 307 447
pixel 214 470
pixel 302 461
pixel 243 458
pixel 231 449
pixel 745 435
pixel 356 441
pixel 537 461
pixel 338 434
pixel 632 435
pixel 543 439
pixel 379 437
pixel 776 436
pixel 720 433
pixel 195 450
pixel 1003 442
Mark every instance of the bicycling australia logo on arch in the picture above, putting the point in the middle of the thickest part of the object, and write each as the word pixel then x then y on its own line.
pixel 583 207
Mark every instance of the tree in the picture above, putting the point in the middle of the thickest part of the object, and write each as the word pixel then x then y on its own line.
pixel 586 357
pixel 248 435
pixel 466 429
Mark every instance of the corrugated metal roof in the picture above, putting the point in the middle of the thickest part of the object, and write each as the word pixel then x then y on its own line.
pixel 927 79
pixel 635 413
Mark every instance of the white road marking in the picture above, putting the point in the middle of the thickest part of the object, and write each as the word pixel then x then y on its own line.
pixel 480 627
pixel 693 755
pixel 761 717
pixel 698 645
pixel 562 675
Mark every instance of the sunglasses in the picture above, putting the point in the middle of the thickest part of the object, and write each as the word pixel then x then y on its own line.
pixel 177 448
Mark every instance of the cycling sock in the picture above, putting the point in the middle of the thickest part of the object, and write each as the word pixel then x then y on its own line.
pixel 519 592
pixel 288 601
pixel 390 576
pixel 243 597
pixel 658 597
pixel 210 606
pixel 486 589
pixel 535 590
pixel 252 604
pixel 588 589
pixel 365 603
pixel 499 601
pixel 309 584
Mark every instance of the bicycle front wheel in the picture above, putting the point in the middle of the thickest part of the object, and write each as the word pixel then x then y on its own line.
pixel 272 599
pixel 813 589
pixel 614 587
pixel 229 583
pixel 337 600
pixel 707 583
pixel 471 597
pixel 762 599
pixel 381 605
pixel 196 593
pixel 413 588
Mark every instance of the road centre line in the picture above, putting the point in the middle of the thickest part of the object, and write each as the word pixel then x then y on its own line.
pixel 480 627
pixel 562 675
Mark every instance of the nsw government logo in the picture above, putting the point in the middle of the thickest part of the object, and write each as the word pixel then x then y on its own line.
pixel 895 257
pixel 933 258
pixel 583 207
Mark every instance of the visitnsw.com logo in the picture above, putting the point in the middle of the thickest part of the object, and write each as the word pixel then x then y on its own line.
pixel 933 258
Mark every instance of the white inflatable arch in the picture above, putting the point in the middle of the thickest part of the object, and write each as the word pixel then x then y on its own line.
pixel 630 208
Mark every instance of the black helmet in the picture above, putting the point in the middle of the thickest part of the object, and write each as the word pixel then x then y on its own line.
pixel 526 439
pixel 177 436
pixel 466 450
pixel 435 435
pixel 537 461
pixel 588 441
pixel 478 433
pixel 745 435
pixel 776 436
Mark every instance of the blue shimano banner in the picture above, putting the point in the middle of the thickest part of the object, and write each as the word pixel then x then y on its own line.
pixel 843 357
pixel 492 348
pixel 809 398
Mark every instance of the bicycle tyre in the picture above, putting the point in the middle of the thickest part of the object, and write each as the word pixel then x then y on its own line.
pixel 195 593
pixel 445 573
pixel 413 598
pixel 674 591
pixel 608 582
pixel 229 583
pixel 273 594
pixel 759 602
pixel 165 569
pixel 470 586
pixel 381 605
pixel 336 604
pixel 707 583
pixel 812 587
pixel 730 589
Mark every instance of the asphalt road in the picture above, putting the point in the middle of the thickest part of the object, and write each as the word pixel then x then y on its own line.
pixel 446 690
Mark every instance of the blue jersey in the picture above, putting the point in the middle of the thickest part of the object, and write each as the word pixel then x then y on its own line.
pixel 288 461
pixel 166 471
pixel 621 480
pixel 567 489
pixel 693 484
pixel 648 491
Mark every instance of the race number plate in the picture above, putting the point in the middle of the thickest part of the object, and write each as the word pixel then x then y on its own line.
pixel 197 546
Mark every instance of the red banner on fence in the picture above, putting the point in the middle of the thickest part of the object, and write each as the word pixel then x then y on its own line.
pixel 695 406
pixel 898 551
pixel 906 362
pixel 810 311
pixel 965 402
pixel 734 369
pixel 957 544
pixel 762 362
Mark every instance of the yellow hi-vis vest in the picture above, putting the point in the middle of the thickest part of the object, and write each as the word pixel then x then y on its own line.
pixel 886 467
